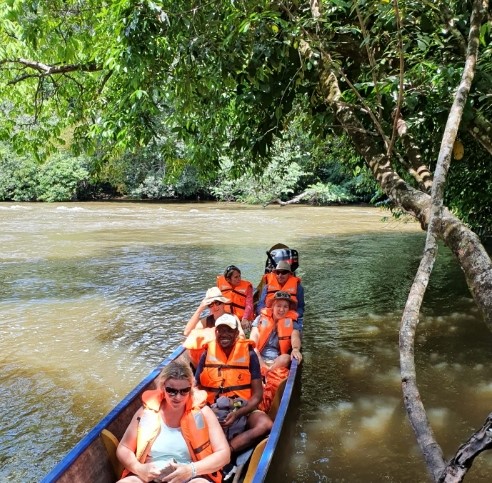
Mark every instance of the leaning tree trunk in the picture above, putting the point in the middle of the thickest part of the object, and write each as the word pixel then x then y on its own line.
pixel 431 450
pixel 463 242
pixel 439 222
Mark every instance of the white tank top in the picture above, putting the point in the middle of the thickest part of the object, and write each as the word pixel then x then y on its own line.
pixel 169 444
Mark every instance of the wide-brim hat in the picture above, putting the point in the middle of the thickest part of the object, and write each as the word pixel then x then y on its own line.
pixel 280 295
pixel 283 265
pixel 227 319
pixel 214 294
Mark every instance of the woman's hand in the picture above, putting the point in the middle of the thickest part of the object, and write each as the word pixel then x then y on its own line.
pixel 183 472
pixel 296 354
pixel 246 324
pixel 148 471
pixel 203 304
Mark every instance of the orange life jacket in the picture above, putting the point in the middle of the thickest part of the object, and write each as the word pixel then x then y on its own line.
pixel 197 341
pixel 284 328
pixel 227 376
pixel 273 286
pixel 236 295
pixel 193 427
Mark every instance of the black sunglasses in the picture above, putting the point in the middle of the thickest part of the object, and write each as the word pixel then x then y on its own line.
pixel 282 272
pixel 174 392
pixel 215 302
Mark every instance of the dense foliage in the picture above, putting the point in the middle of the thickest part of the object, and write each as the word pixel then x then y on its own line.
pixel 263 100
pixel 207 89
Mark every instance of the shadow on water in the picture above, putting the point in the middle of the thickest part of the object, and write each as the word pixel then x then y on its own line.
pixel 353 426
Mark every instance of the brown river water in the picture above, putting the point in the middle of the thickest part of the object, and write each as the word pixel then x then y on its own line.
pixel 94 295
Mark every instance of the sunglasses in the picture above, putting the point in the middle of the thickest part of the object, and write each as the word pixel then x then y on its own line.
pixel 282 272
pixel 174 392
pixel 214 303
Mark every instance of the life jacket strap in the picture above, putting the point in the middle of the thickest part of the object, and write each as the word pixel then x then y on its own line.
pixel 201 448
pixel 227 388
pixel 223 366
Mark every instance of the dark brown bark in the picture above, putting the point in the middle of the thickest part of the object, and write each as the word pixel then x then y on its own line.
pixel 466 454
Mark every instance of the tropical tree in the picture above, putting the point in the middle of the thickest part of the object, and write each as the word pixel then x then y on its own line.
pixel 231 76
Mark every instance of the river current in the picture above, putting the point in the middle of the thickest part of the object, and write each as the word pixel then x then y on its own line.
pixel 94 295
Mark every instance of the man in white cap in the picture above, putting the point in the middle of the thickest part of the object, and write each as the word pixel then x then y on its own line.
pixel 282 278
pixel 230 367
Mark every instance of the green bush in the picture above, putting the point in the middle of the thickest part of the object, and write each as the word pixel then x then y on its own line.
pixel 60 176
pixel 328 194
pixel 18 176
pixel 153 187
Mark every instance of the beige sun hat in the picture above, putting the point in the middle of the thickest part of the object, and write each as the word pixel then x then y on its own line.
pixel 213 294
pixel 227 319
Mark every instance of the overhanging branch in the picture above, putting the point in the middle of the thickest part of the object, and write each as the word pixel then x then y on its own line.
pixel 34 69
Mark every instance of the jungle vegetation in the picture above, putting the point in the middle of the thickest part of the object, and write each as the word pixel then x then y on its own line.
pixel 169 98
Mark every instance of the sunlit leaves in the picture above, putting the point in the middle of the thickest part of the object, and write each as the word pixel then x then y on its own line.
pixel 225 77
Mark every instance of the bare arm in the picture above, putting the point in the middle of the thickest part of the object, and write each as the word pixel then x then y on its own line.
pixel 248 305
pixel 255 336
pixel 126 452
pixel 195 320
pixel 295 341
pixel 221 455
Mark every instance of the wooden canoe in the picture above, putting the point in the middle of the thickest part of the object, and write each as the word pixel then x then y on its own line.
pixel 93 459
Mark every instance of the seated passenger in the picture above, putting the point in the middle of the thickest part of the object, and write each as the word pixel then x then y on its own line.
pixel 200 330
pixel 239 293
pixel 276 333
pixel 229 367
pixel 282 278
pixel 214 301
pixel 169 433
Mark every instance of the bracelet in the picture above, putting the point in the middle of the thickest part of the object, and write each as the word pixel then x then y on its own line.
pixel 296 348
pixel 193 469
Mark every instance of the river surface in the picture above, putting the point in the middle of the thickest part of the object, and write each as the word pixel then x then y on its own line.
pixel 94 295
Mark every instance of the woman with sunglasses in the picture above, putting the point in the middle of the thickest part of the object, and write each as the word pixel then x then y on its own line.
pixel 200 329
pixel 239 293
pixel 166 437
pixel 214 301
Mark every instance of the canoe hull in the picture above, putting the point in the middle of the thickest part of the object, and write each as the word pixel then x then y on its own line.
pixel 88 461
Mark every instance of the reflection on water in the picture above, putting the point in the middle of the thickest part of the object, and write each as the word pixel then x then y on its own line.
pixel 94 295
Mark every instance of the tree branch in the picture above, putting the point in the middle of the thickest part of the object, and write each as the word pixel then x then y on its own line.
pixel 416 167
pixel 43 70
pixel 400 86
pixel 296 199
pixel 466 454
pixel 411 394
